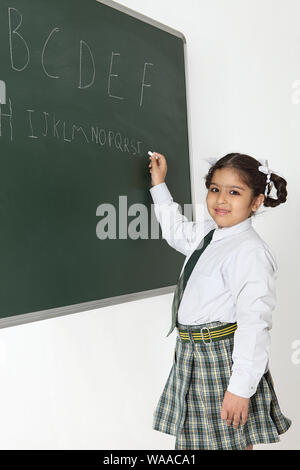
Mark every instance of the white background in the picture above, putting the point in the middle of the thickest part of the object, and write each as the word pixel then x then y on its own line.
pixel 91 380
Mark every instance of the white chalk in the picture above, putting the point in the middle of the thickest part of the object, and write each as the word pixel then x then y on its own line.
pixel 151 154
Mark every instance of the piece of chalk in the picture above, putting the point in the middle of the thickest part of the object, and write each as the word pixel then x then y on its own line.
pixel 151 154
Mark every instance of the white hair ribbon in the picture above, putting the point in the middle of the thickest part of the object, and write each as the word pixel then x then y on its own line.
pixel 264 168
pixel 210 160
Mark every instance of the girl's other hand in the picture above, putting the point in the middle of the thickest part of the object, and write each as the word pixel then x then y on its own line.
pixel 158 168
pixel 234 409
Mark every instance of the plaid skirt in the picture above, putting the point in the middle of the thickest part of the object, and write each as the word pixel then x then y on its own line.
pixel 190 404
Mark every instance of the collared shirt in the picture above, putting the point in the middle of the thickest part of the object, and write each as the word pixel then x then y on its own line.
pixel 232 281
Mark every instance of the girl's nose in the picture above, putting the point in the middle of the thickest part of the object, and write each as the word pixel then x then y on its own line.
pixel 221 196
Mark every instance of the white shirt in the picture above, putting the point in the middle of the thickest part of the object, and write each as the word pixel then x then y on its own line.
pixel 232 281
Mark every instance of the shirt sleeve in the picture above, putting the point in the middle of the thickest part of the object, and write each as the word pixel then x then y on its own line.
pixel 177 230
pixel 252 284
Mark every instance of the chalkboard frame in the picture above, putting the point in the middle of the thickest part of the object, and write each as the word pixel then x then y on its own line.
pixel 91 305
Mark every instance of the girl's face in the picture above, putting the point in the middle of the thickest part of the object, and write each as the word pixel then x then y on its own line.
pixel 229 200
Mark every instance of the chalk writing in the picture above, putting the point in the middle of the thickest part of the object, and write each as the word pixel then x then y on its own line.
pixel 17 42
pixel 48 125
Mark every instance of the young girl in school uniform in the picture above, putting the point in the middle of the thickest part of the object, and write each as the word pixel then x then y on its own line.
pixel 220 394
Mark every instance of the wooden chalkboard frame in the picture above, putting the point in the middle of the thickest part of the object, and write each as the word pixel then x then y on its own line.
pixel 84 306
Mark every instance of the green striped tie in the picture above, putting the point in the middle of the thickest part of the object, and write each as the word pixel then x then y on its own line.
pixel 185 277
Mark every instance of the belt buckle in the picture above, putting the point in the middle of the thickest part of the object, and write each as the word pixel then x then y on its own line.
pixel 206 328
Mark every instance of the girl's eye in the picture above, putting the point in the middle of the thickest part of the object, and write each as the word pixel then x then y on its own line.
pixel 236 192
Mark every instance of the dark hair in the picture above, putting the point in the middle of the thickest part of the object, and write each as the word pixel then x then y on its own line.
pixel 247 167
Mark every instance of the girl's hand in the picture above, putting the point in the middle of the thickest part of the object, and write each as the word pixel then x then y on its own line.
pixel 158 168
pixel 234 408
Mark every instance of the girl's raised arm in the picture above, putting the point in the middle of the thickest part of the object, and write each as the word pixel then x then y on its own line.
pixel 180 233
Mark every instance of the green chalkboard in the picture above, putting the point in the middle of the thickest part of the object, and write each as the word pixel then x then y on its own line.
pixel 90 88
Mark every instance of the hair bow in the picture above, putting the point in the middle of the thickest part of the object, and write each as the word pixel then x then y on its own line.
pixel 264 168
pixel 210 160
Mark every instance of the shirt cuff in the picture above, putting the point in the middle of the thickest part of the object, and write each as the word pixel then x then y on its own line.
pixel 242 385
pixel 160 193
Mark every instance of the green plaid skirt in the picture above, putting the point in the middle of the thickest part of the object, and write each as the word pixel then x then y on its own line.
pixel 190 404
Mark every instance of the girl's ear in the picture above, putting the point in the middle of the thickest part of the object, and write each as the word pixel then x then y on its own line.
pixel 258 201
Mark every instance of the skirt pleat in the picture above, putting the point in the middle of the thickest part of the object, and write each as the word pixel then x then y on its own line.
pixel 190 404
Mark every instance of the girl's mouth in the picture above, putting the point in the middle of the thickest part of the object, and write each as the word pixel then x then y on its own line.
pixel 221 211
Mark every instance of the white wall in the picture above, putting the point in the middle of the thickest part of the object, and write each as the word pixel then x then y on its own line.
pixel 91 380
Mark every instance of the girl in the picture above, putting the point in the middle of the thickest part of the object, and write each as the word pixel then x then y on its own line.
pixel 219 393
